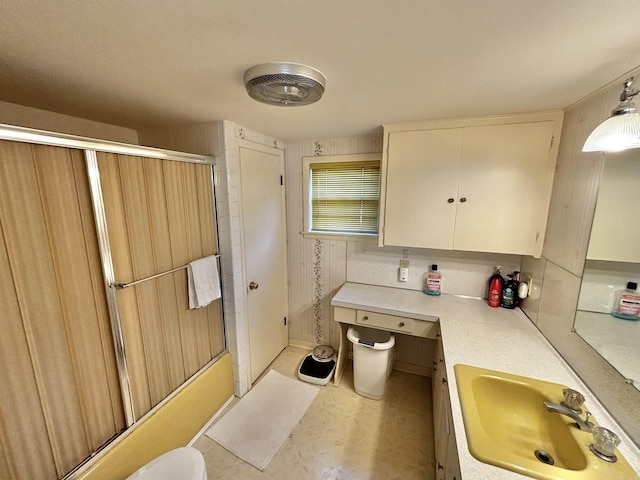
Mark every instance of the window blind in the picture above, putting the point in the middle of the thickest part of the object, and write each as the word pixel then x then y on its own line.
pixel 344 197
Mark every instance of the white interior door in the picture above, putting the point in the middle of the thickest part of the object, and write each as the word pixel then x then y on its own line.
pixel 264 238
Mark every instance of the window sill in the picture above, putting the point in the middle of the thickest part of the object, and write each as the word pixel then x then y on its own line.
pixel 346 237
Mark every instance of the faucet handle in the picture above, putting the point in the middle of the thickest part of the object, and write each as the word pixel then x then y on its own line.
pixel 573 399
pixel 605 442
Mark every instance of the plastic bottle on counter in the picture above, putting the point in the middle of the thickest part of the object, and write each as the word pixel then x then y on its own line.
pixel 627 304
pixel 523 290
pixel 433 284
pixel 509 293
pixel 496 282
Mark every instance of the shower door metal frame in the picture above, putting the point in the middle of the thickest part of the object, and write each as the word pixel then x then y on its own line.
pixel 91 147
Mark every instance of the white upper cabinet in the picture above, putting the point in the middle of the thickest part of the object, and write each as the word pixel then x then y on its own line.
pixel 422 188
pixel 481 184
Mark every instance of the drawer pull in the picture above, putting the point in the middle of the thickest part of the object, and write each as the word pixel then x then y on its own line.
pixel 365 318
pixel 401 324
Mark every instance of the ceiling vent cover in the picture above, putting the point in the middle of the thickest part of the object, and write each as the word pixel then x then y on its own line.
pixel 284 84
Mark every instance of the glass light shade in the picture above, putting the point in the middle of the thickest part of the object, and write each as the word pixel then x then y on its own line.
pixel 617 133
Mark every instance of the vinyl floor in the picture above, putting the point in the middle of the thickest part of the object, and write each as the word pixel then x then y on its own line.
pixel 344 436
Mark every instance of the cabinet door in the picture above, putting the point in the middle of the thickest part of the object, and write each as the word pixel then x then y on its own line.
pixel 439 373
pixel 452 468
pixel 452 463
pixel 441 433
pixel 439 393
pixel 506 176
pixel 421 188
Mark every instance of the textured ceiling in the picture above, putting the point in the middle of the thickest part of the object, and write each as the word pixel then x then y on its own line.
pixel 165 62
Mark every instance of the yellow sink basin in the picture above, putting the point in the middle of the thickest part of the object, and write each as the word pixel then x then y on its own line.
pixel 508 426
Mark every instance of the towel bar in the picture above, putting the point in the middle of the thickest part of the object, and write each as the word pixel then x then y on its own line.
pixel 120 286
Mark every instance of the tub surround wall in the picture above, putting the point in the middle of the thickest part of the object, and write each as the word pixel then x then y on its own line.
pixel 220 139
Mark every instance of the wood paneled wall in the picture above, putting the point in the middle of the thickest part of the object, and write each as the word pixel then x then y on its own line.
pixel 575 187
pixel 317 268
pixel 59 385
pixel 160 216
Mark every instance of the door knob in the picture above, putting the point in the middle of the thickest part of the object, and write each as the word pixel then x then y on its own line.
pixel 253 286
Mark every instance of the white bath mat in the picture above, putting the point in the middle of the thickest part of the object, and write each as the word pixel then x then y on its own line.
pixel 256 427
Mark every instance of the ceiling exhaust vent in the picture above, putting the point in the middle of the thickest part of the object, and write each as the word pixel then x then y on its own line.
pixel 284 84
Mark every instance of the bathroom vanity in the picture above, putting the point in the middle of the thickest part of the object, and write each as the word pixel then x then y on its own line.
pixel 390 309
pixel 472 333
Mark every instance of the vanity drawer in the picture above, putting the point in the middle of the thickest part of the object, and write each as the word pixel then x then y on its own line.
pixel 423 328
pixel 344 315
pixel 386 322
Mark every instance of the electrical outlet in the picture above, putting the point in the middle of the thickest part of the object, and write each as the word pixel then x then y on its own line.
pixel 403 271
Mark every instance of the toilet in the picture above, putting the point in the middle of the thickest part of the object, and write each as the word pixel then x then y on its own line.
pixel 184 463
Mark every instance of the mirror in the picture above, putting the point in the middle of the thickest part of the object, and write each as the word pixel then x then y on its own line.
pixel 613 260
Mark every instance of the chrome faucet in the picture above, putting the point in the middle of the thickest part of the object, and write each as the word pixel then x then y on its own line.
pixel 571 407
pixel 584 425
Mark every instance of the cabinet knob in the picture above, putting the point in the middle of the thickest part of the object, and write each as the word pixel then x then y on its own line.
pixel 365 318
pixel 253 286
pixel 463 199
pixel 440 467
pixel 450 200
pixel 444 380
pixel 401 324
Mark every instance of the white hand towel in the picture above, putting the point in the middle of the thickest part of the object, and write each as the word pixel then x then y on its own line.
pixel 204 282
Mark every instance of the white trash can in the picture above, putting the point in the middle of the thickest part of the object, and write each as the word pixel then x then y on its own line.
pixel 372 360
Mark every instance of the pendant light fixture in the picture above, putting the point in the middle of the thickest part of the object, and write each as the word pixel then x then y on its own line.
pixel 621 130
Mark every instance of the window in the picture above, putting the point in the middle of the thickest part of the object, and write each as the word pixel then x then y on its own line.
pixel 342 194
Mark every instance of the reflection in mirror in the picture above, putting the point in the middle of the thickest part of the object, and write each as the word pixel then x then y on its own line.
pixel 615 234
pixel 613 260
